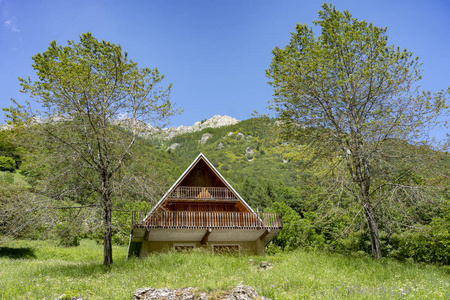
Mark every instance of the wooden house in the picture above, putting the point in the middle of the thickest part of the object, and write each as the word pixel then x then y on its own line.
pixel 202 209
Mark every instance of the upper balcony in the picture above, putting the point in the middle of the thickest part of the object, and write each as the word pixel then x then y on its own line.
pixel 202 193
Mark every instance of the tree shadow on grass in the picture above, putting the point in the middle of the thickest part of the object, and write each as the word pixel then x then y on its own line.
pixel 83 269
pixel 79 270
pixel 17 253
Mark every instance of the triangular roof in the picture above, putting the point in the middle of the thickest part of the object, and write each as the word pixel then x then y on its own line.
pixel 199 158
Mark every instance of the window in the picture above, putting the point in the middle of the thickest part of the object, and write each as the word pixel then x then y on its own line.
pixel 182 247
pixel 226 249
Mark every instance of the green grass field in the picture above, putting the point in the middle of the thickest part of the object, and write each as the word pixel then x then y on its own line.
pixel 42 270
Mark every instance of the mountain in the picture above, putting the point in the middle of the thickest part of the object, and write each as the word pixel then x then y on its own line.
pixel 214 122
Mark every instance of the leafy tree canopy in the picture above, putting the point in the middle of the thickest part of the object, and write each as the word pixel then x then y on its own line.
pixel 86 90
pixel 351 91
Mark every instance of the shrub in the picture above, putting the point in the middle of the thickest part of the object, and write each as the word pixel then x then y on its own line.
pixel 7 164
pixel 67 235
pixel 7 178
pixel 68 229
pixel 297 232
pixel 428 243
pixel 121 219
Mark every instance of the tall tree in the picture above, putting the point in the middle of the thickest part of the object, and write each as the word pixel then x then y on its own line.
pixel 350 91
pixel 94 101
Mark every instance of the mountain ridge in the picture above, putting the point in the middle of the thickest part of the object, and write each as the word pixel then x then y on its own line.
pixel 213 122
pixel 169 132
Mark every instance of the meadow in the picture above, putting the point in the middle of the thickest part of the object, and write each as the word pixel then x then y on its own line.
pixel 43 270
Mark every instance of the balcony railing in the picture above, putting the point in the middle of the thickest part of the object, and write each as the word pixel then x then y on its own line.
pixel 205 220
pixel 202 193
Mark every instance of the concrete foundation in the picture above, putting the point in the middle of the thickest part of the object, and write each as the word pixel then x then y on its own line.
pixel 243 248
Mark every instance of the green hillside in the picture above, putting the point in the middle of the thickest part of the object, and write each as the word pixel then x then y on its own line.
pixel 271 174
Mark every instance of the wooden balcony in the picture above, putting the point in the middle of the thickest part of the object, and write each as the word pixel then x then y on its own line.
pixel 206 220
pixel 202 193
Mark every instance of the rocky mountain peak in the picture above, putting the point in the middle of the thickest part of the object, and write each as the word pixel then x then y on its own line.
pixel 214 122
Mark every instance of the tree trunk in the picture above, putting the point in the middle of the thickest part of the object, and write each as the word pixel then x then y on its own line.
pixel 373 230
pixel 360 170
pixel 364 177
pixel 107 236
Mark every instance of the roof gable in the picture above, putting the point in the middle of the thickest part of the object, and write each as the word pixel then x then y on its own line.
pixel 201 174
pixel 194 175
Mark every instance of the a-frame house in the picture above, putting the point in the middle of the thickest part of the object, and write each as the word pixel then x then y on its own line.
pixel 202 209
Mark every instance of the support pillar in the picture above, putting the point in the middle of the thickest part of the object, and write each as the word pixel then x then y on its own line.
pixel 204 241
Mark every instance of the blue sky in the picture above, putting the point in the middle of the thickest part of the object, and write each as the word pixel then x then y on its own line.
pixel 214 52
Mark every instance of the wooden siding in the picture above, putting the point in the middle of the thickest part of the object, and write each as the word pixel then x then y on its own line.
pixel 189 206
pixel 204 220
pixel 202 175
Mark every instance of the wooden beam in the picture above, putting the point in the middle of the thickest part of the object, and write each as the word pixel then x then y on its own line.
pixel 264 234
pixel 206 236
pixel 147 234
